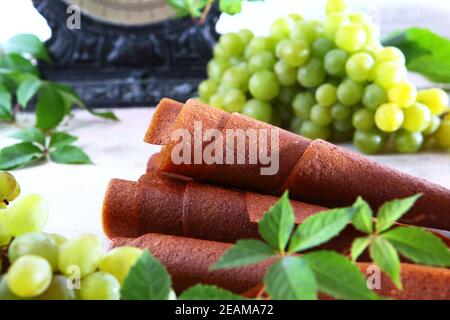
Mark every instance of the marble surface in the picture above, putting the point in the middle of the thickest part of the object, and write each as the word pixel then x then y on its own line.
pixel 75 192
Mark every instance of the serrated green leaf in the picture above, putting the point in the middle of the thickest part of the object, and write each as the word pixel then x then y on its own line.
pixel 419 246
pixel 244 252
pixel 385 256
pixel 338 277
pixel 208 292
pixel 291 278
pixel 230 6
pixel 49 109
pixel 148 279
pixel 19 155
pixel 393 210
pixel 358 247
pixel 26 90
pixel 320 228
pixel 27 43
pixel 5 98
pixel 59 139
pixel 30 135
pixel 362 218
pixel 276 225
pixel 68 154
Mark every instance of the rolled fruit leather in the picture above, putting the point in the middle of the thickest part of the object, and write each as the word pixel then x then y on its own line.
pixel 316 172
pixel 189 260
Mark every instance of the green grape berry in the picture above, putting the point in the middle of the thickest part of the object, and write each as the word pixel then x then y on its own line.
pixel 287 75
pixel 436 99
pixel 350 92
pixel 217 101
pixel 259 44
pixel 335 61
pixel 351 37
pixel 235 78
pixel 359 66
pixel 313 131
pixel 374 96
pixel 344 125
pixel 27 214
pixel 363 119
pixel 9 188
pixel 332 24
pixel 119 261
pixel 232 44
pixel 305 31
pixel 417 117
pixel 302 105
pixel 261 61
pixel 207 88
pixel 312 74
pixel 288 93
pixel 389 117
pixel 234 100
pixel 99 286
pixel 280 46
pixel 326 95
pixel 246 35
pixel 408 142
pixel 340 112
pixel 334 6
pixel 58 290
pixel 404 94
pixel 258 109
pixel 5 236
pixel 34 243
pixel 369 142
pixel 442 134
pixel 434 124
pixel 280 28
pixel 83 252
pixel 390 54
pixel 388 73
pixel 295 53
pixel 321 115
pixel 57 238
pixel 320 47
pixel 264 85
pixel 216 68
pixel 29 276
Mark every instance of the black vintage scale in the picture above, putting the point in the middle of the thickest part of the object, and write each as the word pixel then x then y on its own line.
pixel 126 52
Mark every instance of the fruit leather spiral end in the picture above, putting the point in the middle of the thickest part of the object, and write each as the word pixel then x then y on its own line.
pixel 163 119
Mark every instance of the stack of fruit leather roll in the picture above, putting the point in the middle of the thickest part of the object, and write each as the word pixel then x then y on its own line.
pixel 188 214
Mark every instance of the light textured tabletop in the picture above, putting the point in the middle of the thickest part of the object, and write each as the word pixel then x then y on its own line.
pixel 75 192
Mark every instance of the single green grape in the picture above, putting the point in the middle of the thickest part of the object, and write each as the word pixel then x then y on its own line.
pixel 404 94
pixel 5 236
pixel 389 117
pixel 218 52
pixel 313 131
pixel 390 54
pixel 334 6
pixel 417 117
pixel 436 99
pixel 8 186
pixel 207 88
pixel 433 126
pixel 216 68
pixel 280 28
pixel 280 46
pixel 332 23
pixel 217 101
pixel 288 93
pixel 237 61
pixel 363 119
pixel 408 142
pixel 442 134
pixel 234 100
pixel 320 47
pixel 236 78
pixel 246 35
pixel 343 125
pixel 29 276
pixel 302 105
pixel 304 31
pixel 335 61
pixel 351 37
pixel 119 261
pixel 264 85
pixel 57 238
pixel 286 75
pixel 261 61
pixel 259 44
pixel 34 243
pixel 14 194
pixel 326 95
pixel 258 109
pixel 58 290
pixel 321 115
pixel 99 286
pixel 84 252
pixel 27 214
pixel 295 53
pixel 296 125
pixel 388 73
pixel 312 74
pixel 369 142
pixel 350 92
pixel 232 44
pixel 374 96
pixel 359 66
pixel 5 292
pixel 340 112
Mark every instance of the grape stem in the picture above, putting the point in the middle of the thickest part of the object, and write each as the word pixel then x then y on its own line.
pixel 205 12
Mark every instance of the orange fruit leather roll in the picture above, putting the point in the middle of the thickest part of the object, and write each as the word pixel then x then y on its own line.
pixel 188 261
pixel 316 172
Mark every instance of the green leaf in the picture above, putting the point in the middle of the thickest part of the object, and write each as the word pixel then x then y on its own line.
pixel 291 279
pixel 6 114
pixel 30 135
pixel 69 155
pixel 19 155
pixel 27 43
pixel 49 109
pixel 419 246
pixel 320 228
pixel 358 247
pixel 148 279
pixel 14 61
pixel 5 98
pixel 230 6
pixel 59 139
pixel 362 218
pixel 27 89
pixel 276 225
pixel 393 210
pixel 208 292
pixel 338 277
pixel 386 257
pixel 244 252
pixel 180 6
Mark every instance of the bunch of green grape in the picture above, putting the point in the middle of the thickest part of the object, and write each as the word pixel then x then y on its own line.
pixel 38 265
pixel 331 80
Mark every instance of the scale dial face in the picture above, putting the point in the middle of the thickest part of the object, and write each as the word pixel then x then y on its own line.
pixel 125 12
